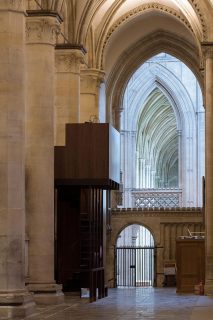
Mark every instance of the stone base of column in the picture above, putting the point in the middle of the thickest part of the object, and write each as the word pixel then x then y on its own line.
pixel 46 293
pixel 16 304
pixel 208 289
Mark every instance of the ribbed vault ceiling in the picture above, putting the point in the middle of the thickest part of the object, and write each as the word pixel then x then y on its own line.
pixel 157 138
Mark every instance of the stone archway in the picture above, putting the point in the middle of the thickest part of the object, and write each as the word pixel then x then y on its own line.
pixel 134 57
pixel 154 81
pixel 164 225
pixel 135 257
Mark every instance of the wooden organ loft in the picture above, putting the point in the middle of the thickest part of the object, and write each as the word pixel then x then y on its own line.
pixel 86 169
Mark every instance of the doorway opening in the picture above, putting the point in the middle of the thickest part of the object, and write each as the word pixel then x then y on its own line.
pixel 135 257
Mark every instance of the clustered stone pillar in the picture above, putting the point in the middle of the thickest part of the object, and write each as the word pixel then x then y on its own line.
pixel 15 301
pixel 68 62
pixel 179 134
pixel 41 38
pixel 208 56
pixel 91 80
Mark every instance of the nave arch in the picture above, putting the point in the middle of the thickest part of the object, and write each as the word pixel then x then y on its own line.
pixel 134 57
pixel 144 82
pixel 78 67
pixel 94 19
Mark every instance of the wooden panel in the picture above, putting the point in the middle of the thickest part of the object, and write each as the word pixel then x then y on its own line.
pixel 80 239
pixel 68 238
pixel 92 152
pixel 91 257
pixel 88 146
pixel 190 257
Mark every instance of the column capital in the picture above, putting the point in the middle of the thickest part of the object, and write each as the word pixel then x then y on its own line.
pixel 179 132
pixel 13 5
pixel 207 49
pixel 94 74
pixel 119 111
pixel 91 80
pixel 116 117
pixel 90 83
pixel 69 60
pixel 42 29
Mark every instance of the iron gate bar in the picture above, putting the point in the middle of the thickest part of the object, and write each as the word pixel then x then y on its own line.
pixel 135 266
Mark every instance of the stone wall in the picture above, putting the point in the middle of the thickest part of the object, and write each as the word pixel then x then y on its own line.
pixel 165 226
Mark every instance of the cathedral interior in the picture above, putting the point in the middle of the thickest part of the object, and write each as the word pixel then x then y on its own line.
pixel 106 158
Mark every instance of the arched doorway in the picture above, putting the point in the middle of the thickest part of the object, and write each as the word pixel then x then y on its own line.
pixel 135 263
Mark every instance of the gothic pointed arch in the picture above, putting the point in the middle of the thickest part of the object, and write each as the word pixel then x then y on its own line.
pixel 185 17
pixel 130 61
pixel 159 121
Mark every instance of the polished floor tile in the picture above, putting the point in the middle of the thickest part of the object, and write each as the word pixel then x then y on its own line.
pixel 131 304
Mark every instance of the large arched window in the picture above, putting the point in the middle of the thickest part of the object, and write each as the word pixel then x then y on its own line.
pixel 162 128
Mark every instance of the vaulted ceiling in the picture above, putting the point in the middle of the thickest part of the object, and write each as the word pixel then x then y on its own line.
pixel 120 35
pixel 100 25
pixel 157 137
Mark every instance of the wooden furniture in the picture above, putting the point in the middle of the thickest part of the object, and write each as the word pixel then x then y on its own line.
pixel 91 156
pixel 169 274
pixel 86 169
pixel 190 259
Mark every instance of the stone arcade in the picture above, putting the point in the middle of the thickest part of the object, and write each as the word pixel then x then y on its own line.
pixel 70 61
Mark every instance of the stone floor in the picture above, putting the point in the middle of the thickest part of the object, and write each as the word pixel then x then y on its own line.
pixel 131 304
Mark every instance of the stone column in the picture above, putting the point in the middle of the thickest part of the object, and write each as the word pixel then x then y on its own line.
pixel 91 80
pixel 200 153
pixel 147 175
pixel 143 179
pixel 134 157
pixel 180 152
pixel 140 172
pixel 153 172
pixel 41 37
pixel 208 56
pixel 15 301
pixel 68 62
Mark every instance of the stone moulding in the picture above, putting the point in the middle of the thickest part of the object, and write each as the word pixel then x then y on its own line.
pixel 159 212
pixel 65 46
pixel 136 12
pixel 45 13
pixel 18 304
pixel 129 62
pixel 200 15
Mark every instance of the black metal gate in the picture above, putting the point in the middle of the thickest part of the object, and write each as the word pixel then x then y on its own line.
pixel 135 266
